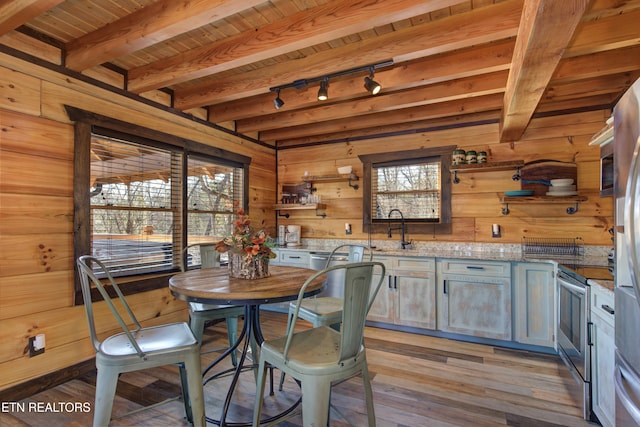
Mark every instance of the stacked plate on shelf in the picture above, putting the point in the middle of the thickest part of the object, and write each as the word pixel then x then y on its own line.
pixel 562 188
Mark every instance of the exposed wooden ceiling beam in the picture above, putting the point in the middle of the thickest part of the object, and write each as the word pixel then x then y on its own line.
pixel 330 21
pixel 398 128
pixel 153 24
pixel 445 109
pixel 14 13
pixel 434 69
pixel 545 31
pixel 479 26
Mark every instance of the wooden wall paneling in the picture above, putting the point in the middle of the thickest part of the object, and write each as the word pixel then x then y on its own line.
pixel 35 214
pixel 476 205
pixel 18 92
pixel 35 136
pixel 28 174
pixel 32 293
pixel 36 253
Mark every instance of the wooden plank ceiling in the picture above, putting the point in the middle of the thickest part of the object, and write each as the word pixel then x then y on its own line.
pixel 453 61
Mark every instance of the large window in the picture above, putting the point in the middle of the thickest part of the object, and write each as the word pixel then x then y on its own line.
pixel 413 185
pixel 142 196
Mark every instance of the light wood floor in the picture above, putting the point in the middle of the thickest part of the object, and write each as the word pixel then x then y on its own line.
pixel 417 381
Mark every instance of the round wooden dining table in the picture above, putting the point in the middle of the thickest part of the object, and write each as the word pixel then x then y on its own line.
pixel 215 286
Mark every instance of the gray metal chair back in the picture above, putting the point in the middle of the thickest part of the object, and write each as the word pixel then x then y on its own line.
pixel 321 356
pixel 209 256
pixel 356 253
pixel 87 277
pixel 137 349
pixel 356 302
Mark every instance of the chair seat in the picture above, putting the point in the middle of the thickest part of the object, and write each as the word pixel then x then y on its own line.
pixel 321 310
pixel 152 339
pixel 312 352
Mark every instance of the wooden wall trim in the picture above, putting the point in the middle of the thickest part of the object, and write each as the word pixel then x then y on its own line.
pixel 45 382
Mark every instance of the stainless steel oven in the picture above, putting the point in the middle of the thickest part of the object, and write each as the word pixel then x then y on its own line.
pixel 574 345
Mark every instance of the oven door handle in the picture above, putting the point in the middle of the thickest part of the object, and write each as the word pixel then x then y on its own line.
pixel 571 286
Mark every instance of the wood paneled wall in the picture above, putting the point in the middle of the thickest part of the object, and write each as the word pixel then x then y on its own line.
pixel 36 213
pixel 475 200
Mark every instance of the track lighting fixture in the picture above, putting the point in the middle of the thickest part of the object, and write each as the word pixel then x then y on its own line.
pixel 278 102
pixel 370 84
pixel 323 92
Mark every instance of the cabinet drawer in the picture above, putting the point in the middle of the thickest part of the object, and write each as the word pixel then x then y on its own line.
pixel 475 268
pixel 602 302
pixel 415 264
pixel 294 258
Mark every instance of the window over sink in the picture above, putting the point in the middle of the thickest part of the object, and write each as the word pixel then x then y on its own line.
pixel 415 182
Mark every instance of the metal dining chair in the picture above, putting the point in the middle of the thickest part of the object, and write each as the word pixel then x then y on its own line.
pixel 321 356
pixel 327 310
pixel 138 348
pixel 200 314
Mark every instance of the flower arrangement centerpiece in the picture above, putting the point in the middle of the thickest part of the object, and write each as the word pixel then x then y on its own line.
pixel 249 250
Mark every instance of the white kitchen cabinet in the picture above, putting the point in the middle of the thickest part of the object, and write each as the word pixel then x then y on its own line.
pixel 602 354
pixel 407 295
pixel 534 296
pixel 474 298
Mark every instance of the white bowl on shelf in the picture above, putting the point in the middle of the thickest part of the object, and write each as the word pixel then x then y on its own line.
pixel 561 182
pixel 345 170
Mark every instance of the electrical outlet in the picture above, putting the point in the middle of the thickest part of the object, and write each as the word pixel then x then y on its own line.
pixel 36 345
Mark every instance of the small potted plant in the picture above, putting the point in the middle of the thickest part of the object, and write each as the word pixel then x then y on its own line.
pixel 249 250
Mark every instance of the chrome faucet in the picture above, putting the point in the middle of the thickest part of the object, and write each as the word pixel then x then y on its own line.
pixel 403 243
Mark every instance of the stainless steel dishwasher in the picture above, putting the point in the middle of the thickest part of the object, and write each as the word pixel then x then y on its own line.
pixel 335 279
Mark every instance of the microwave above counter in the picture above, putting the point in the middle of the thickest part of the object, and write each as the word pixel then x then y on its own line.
pixel 604 139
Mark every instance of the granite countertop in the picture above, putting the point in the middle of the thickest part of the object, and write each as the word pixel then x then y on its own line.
pixel 596 256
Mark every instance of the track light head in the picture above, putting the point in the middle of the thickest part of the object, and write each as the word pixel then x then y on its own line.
pixel 278 102
pixel 323 92
pixel 372 85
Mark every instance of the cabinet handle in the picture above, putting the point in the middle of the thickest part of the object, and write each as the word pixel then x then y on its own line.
pixel 395 282
pixel 589 332
pixel 444 285
pixel 475 267
pixel 608 309
pixel 294 257
pixel 390 287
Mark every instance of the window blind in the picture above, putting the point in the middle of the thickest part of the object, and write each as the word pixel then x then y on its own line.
pixel 135 205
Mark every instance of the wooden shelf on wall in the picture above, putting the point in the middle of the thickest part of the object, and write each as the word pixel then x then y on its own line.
pixel 298 206
pixel 487 167
pixel 331 178
pixel 575 200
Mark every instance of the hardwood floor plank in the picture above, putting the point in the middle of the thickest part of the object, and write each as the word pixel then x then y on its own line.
pixel 417 381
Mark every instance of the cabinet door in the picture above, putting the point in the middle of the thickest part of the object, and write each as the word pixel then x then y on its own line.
pixel 603 354
pixel 415 300
pixel 382 308
pixel 475 305
pixel 534 304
